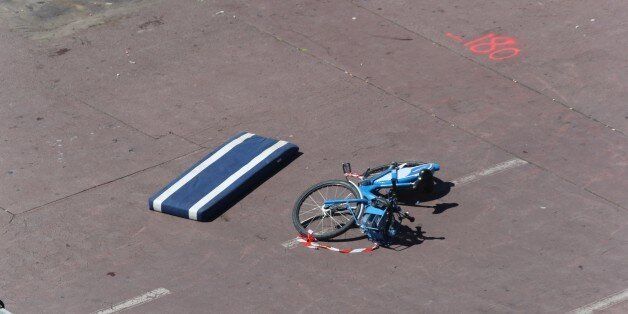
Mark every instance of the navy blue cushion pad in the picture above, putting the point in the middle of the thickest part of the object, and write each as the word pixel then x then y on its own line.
pixel 206 187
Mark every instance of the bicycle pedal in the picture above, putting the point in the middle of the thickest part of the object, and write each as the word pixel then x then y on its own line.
pixel 406 215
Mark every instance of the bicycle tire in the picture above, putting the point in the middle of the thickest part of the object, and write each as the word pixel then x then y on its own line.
pixel 296 211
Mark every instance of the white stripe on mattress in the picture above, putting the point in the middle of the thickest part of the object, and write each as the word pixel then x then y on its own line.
pixel 190 175
pixel 193 211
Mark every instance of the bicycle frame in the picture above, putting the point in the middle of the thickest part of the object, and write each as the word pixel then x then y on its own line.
pixel 368 187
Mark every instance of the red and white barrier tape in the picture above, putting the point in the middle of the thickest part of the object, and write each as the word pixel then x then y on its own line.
pixel 310 242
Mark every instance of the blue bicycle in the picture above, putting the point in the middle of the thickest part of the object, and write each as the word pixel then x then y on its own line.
pixel 331 207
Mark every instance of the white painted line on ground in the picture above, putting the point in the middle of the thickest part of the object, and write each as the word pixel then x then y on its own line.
pixel 3 311
pixel 489 171
pixel 144 298
pixel 604 303
pixel 458 182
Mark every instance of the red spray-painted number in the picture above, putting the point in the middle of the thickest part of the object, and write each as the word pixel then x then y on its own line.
pixel 496 47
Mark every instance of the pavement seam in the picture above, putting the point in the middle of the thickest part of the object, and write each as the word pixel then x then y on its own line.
pixel 187 139
pixel 198 148
pixel 113 117
pixel 10 213
pixel 589 117
pixel 111 181
pixel 381 89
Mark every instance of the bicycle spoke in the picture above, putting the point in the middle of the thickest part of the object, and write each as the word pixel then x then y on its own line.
pixel 315 202
pixel 344 216
pixel 309 219
pixel 336 221
pixel 319 222
pixel 306 203
pixel 321 194
pixel 331 226
pixel 323 228
pixel 308 224
pixel 313 209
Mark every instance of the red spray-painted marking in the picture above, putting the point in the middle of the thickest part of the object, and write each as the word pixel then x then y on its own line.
pixel 497 48
pixel 454 37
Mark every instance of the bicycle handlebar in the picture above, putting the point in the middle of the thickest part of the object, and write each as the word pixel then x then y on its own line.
pixel 393 178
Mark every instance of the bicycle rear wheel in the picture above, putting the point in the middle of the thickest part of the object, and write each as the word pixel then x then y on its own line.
pixel 309 212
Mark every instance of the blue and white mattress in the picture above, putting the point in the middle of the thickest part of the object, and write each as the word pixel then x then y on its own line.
pixel 211 185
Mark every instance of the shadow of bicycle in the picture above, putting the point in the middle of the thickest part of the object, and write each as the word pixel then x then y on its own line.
pixel 416 198
pixel 407 237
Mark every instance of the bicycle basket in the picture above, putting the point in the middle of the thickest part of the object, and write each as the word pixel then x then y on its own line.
pixel 373 223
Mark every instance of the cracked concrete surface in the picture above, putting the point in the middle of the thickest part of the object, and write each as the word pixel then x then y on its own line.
pixel 6 218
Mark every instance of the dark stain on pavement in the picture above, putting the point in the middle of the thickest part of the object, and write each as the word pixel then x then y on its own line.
pixel 393 37
pixel 59 52
pixel 156 21
pixel 50 10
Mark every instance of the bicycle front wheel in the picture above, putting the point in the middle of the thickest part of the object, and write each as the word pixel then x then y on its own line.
pixel 326 222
